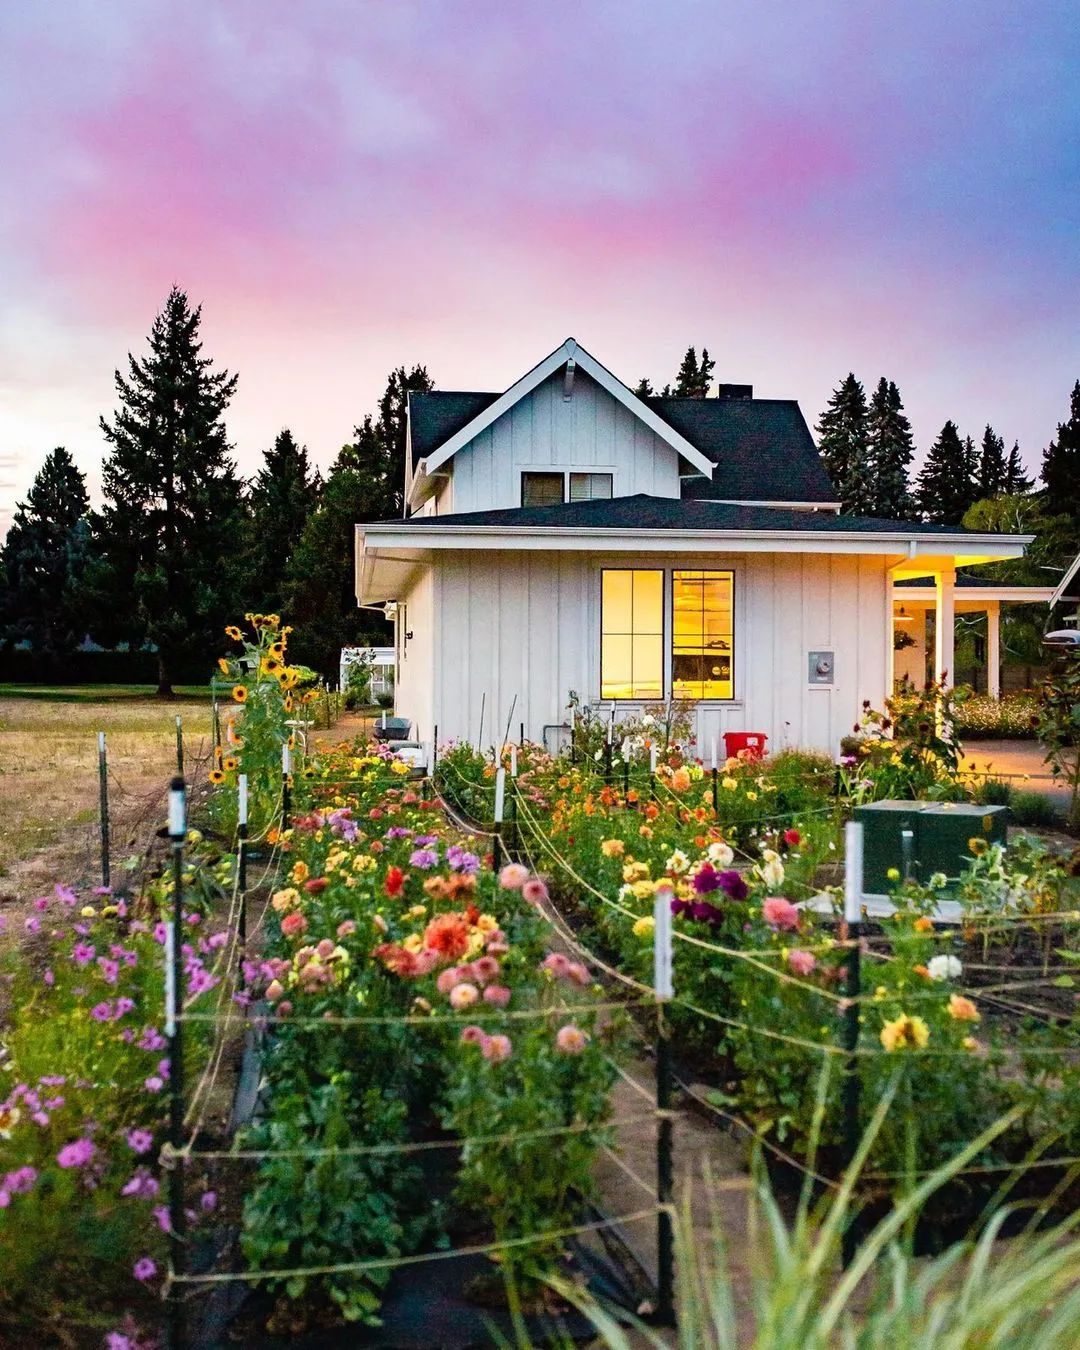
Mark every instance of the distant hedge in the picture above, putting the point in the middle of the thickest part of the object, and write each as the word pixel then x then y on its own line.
pixel 23 667
pixel 984 718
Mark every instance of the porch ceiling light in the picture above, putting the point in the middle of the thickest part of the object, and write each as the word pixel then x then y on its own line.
pixel 903 616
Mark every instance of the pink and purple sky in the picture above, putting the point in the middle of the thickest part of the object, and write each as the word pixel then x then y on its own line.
pixel 806 187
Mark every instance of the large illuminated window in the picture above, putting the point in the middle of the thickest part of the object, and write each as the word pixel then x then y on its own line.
pixel 702 647
pixel 632 634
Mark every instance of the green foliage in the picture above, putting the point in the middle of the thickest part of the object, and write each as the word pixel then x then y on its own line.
pixel 889 450
pixel 948 481
pixel 694 377
pixel 166 563
pixel 42 562
pixel 281 498
pixel 1058 727
pixel 1035 809
pixel 358 681
pixel 1061 467
pixel 912 748
pixel 843 439
pixel 980 717
pixel 993 467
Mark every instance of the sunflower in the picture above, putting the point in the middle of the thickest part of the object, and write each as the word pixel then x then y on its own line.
pixel 288 703
pixel 273 620
pixel 276 651
pixel 229 763
pixel 240 693
pixel 223 665
pixel 233 632
pixel 268 666
pixel 216 776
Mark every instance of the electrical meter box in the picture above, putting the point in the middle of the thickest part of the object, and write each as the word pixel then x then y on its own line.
pixel 821 667
pixel 945 830
pixel 883 824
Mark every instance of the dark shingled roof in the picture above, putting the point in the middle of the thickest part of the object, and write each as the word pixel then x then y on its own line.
pixel 435 417
pixel 642 512
pixel 762 447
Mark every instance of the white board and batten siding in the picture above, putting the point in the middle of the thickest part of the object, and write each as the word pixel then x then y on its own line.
pixel 590 432
pixel 414 689
pixel 525 625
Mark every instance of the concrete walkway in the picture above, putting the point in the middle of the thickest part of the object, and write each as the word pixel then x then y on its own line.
pixel 1022 763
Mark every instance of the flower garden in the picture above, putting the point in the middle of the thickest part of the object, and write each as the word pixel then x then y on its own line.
pixel 430 1008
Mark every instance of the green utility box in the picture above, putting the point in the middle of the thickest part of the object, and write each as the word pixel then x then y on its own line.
pixel 883 824
pixel 944 830
pixel 941 833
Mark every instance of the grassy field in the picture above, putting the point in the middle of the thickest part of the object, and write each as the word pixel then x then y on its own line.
pixel 49 774
pixel 101 693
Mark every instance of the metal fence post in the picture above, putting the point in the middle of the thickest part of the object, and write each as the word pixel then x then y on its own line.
pixel 179 746
pixel 174 1031
pixel 241 862
pixel 286 770
pixel 103 806
pixel 500 802
pixel 853 893
pixel 663 985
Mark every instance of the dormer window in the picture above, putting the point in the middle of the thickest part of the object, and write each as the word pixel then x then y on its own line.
pixel 553 487
pixel 543 489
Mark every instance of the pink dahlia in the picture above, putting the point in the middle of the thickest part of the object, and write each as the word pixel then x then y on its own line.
pixel 513 876
pixel 570 1040
pixel 496 1048
pixel 780 913
pixel 802 963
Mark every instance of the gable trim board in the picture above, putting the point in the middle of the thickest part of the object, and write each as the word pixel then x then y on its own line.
pixel 420 485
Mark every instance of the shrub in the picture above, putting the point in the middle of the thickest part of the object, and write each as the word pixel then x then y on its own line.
pixel 1035 809
pixel 981 717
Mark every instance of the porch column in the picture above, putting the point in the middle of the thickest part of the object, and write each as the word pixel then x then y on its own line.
pixel 993 648
pixel 944 624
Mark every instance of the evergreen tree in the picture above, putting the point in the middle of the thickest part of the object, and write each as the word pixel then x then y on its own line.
pixel 169 538
pixel 644 389
pixel 993 467
pixel 889 451
pixel 43 559
pixel 366 482
pixel 282 496
pixel 948 481
pixel 693 379
pixel 843 439
pixel 1061 464
pixel 1016 480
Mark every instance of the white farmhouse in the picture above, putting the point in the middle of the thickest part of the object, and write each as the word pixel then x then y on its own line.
pixel 567 535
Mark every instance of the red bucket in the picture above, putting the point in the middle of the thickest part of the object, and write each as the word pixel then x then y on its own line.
pixel 751 744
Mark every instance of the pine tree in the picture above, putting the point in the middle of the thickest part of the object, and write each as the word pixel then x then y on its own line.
pixel 1016 480
pixel 1061 463
pixel 693 379
pixel 644 389
pixel 843 439
pixel 43 560
pixel 366 482
pixel 993 468
pixel 889 452
pixel 169 536
pixel 282 496
pixel 947 483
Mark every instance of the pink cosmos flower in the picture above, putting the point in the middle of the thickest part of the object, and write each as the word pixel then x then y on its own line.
pixel 140 1141
pixel 473 1035
pixel 463 996
pixel 153 1083
pixel 570 1040
pixel 76 1154
pixel 497 995
pixel 496 1048
pixel 780 913
pixel 802 963
pixel 145 1268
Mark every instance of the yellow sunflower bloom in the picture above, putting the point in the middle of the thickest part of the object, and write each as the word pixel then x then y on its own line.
pixel 223 665
pixel 233 632
pixel 229 763
pixel 905 1033
pixel 276 651
pixel 240 693
pixel 216 776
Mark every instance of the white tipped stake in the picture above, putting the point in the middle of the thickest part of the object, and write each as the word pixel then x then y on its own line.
pixel 242 800
pixel 500 794
pixel 663 977
pixel 853 871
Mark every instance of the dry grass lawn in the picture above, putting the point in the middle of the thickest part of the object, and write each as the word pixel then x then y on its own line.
pixel 49 781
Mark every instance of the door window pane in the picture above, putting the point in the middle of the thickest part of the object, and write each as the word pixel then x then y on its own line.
pixel 542 489
pixel 590 487
pixel 631 634
pixel 702 644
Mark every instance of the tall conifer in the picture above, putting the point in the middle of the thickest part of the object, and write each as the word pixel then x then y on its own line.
pixel 947 483
pixel 1016 479
pixel 843 439
pixel 993 466
pixel 43 558
pixel 1061 464
pixel 889 450
pixel 169 535
pixel 282 496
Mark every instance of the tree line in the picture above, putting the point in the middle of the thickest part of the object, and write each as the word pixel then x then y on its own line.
pixel 182 544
